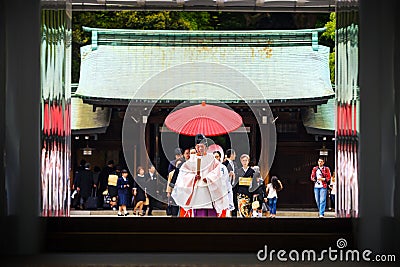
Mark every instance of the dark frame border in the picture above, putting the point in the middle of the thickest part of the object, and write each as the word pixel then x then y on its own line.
pixel 23 232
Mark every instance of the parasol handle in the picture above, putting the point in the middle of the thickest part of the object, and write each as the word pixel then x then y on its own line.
pixel 198 166
pixel 198 177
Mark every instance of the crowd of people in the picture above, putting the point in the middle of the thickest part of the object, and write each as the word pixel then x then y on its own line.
pixel 200 183
pixel 114 188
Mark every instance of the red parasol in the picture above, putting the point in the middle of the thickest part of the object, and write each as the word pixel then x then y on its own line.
pixel 209 120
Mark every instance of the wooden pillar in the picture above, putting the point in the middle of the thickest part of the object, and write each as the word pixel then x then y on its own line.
pixel 134 138
pixel 253 143
pixel 20 118
pixel 143 143
pixel 268 140
pixel 156 159
pixel 379 126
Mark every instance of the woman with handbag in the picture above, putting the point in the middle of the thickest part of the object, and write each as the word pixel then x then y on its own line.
pixel 272 196
pixel 138 192
pixel 245 190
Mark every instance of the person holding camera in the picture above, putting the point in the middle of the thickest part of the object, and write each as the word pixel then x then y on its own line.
pixel 321 176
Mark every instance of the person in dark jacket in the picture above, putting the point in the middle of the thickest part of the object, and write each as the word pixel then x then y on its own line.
pixel 233 168
pixel 103 176
pixel 258 188
pixel 152 189
pixel 123 193
pixel 172 208
pixel 76 197
pixel 80 168
pixel 84 184
pixel 178 156
pixel 96 174
pixel 112 187
pixel 103 179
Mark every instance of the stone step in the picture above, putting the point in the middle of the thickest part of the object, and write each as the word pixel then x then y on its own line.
pixel 110 212
pixel 281 214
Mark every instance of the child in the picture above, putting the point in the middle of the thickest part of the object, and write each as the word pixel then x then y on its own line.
pixel 258 194
pixel 272 196
pixel 123 193
pixel 255 205
pixel 113 190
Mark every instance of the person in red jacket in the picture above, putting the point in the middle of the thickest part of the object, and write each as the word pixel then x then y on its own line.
pixel 321 176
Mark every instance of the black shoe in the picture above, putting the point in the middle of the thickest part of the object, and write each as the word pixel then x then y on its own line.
pixel 126 214
pixel 120 214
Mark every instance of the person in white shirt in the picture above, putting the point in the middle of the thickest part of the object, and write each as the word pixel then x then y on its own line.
pixel 272 195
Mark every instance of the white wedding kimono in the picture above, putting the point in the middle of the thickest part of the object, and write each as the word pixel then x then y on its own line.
pixel 191 194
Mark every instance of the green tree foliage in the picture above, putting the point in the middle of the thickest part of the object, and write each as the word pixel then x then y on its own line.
pixel 328 38
pixel 330 26
pixel 332 65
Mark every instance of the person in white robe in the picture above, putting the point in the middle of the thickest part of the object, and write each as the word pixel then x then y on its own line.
pixel 200 186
